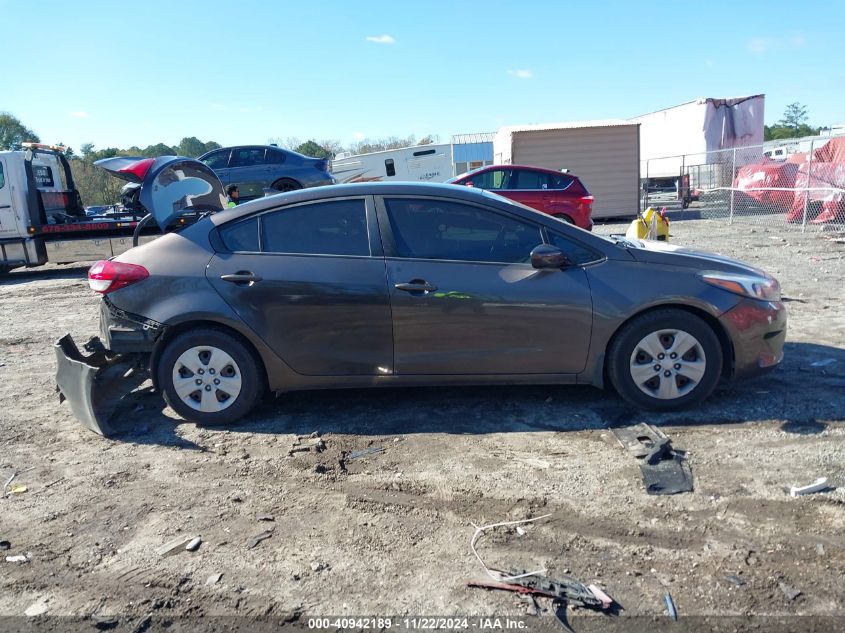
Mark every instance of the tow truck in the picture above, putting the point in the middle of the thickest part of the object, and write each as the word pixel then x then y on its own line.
pixel 42 218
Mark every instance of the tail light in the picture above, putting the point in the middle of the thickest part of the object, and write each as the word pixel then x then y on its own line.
pixel 107 276
pixel 587 201
pixel 322 165
pixel 138 169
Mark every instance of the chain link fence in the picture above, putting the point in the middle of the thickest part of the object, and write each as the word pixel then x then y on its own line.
pixel 797 183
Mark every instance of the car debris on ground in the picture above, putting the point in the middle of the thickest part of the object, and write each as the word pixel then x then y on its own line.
pixel 176 545
pixel 819 485
pixel 307 444
pixel 665 470
pixel 255 540
pixel 370 450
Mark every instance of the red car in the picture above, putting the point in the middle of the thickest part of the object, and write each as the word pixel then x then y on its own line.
pixel 557 193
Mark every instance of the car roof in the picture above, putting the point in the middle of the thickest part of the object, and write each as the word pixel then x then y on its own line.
pixel 389 188
pixel 545 170
pixel 231 147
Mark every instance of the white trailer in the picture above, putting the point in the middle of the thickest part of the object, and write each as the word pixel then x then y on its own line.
pixel 694 132
pixel 604 154
pixel 422 163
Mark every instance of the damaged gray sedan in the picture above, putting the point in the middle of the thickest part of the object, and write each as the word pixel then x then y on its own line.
pixel 403 284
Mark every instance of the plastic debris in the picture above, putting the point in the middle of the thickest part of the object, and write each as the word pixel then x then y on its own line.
pixel 18 558
pixel 817 486
pixel 175 546
pixel 213 579
pixel 194 544
pixel 790 592
pixel 36 609
pixel 670 606
pixel 520 530
pixel 18 489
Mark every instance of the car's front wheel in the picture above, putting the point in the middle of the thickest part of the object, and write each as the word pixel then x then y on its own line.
pixel 664 360
pixel 209 376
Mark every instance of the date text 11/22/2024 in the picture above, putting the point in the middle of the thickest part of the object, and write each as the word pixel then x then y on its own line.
pixel 478 623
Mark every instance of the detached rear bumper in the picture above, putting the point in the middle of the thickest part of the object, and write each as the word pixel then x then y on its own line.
pixel 96 383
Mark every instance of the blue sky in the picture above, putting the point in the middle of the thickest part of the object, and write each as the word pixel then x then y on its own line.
pixel 122 74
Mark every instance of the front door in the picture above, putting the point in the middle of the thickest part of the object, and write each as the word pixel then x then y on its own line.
pixel 8 223
pixel 312 286
pixel 249 171
pixel 466 300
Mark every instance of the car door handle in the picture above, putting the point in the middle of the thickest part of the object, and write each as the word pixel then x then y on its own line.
pixel 241 277
pixel 416 285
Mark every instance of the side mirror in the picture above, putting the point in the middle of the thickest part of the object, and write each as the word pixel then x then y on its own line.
pixel 547 256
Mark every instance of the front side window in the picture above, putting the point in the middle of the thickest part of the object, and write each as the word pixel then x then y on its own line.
pixel 579 255
pixel 217 160
pixel 437 229
pixel 321 228
pixel 493 179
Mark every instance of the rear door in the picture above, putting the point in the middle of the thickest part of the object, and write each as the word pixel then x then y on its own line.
pixel 309 279
pixel 249 170
pixel 466 300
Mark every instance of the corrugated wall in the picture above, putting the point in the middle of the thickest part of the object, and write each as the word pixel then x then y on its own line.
pixel 607 159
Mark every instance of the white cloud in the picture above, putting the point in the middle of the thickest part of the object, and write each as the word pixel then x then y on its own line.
pixel 359 136
pixel 381 39
pixel 758 45
pixel 79 114
pixel 521 73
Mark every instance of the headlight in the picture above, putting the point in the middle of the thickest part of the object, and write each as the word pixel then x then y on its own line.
pixel 760 287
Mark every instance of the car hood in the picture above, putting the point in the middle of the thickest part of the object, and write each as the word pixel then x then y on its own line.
pixel 655 252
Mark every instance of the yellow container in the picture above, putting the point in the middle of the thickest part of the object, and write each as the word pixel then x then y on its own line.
pixel 650 225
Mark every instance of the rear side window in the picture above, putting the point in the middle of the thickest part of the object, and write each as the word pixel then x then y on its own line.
pixel 322 228
pixel 531 180
pixel 275 157
pixel 241 236
pixel 578 254
pixel 561 181
pixel 389 167
pixel 247 157
pixel 2 177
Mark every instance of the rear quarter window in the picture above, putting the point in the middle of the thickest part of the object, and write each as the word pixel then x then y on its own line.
pixel 241 236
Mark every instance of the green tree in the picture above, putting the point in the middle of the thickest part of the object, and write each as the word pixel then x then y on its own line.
pixel 190 146
pixel 314 149
pixel 13 132
pixel 793 124
pixel 159 149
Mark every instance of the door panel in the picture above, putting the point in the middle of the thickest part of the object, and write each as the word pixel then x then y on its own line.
pixel 489 318
pixel 465 302
pixel 324 316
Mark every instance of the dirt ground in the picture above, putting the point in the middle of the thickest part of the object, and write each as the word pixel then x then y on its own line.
pixel 388 533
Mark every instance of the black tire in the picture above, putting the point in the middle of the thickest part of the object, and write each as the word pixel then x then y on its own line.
pixel 286 184
pixel 566 219
pixel 622 362
pixel 245 366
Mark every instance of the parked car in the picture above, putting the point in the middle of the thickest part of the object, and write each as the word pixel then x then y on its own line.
pixel 560 194
pixel 254 168
pixel 402 284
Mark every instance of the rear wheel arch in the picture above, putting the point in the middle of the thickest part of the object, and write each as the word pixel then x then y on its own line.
pixel 565 217
pixel 713 322
pixel 286 184
pixel 173 331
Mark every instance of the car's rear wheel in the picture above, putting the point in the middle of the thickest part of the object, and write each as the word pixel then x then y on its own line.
pixel 209 376
pixel 664 360
pixel 286 184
